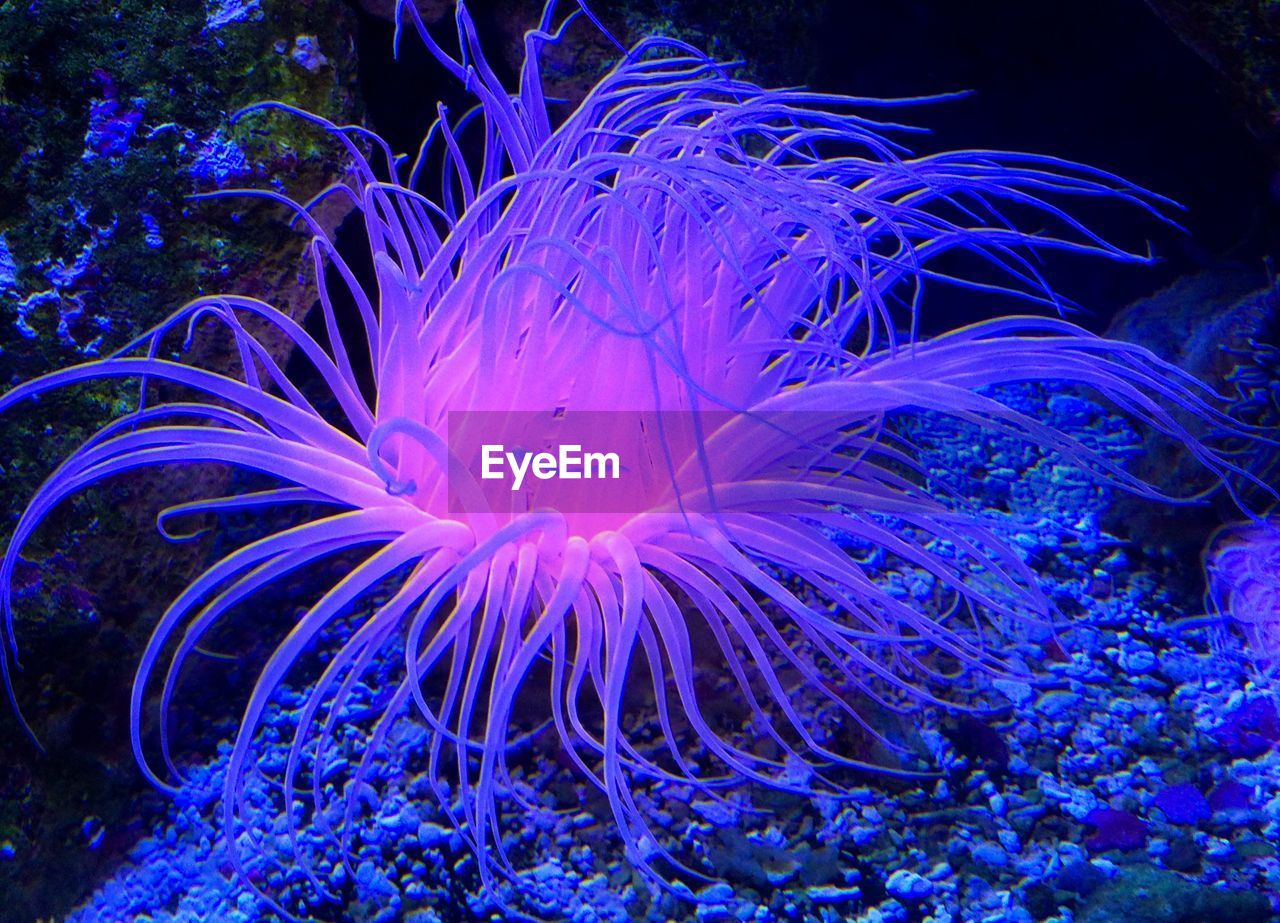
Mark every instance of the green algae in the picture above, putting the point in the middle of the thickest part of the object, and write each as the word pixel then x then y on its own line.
pixel 145 250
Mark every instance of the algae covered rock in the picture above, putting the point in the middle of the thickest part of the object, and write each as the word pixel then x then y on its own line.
pixel 111 115
pixel 1141 894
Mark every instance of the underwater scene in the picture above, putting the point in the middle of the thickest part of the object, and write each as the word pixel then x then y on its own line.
pixel 639 460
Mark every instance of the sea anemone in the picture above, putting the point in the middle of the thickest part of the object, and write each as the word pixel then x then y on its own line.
pixel 723 278
pixel 1242 570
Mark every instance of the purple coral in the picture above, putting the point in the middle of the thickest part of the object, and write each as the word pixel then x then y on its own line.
pixel 684 246
pixel 8 268
pixel 222 13
pixel 112 122
pixel 1249 730
pixel 1115 829
pixel 1231 798
pixel 218 160
pixel 1182 804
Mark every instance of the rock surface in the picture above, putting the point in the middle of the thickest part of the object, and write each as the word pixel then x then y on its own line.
pixel 1241 39
pixel 110 114
pixel 1215 325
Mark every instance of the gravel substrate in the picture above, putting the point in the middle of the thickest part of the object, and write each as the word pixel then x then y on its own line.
pixel 1137 779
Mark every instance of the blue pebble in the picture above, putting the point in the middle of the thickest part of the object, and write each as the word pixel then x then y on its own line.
pixel 908 886
pixel 991 854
